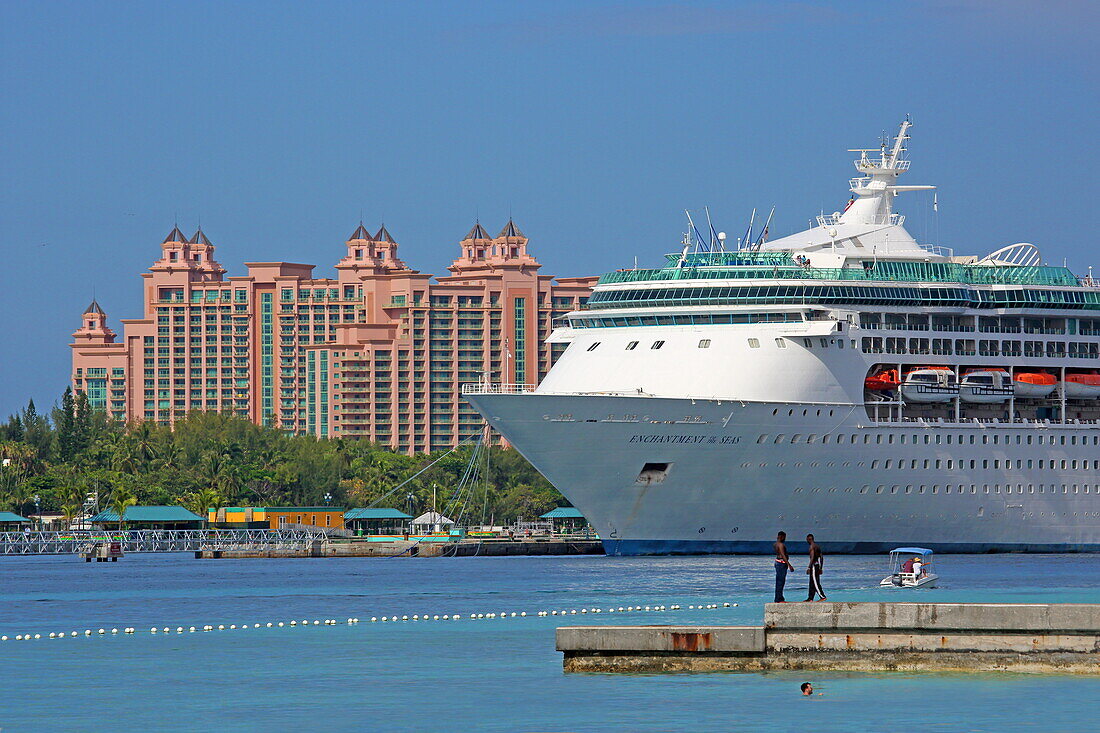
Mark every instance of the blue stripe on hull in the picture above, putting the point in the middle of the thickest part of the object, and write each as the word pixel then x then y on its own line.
pixel 764 547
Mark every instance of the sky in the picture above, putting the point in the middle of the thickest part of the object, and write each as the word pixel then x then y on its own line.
pixel 276 126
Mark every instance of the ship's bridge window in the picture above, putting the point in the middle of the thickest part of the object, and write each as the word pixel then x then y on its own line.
pixel 657 344
pixel 779 438
pixel 593 345
pixel 808 343
pixel 704 343
pixel 632 345
pixel 781 343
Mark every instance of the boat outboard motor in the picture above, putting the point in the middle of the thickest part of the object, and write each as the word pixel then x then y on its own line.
pixel 896 579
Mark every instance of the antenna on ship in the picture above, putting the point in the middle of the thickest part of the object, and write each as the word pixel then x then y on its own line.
pixel 716 242
pixel 748 232
pixel 764 232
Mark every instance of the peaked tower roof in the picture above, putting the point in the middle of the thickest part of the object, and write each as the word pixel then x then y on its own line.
pixel 199 238
pixel 94 308
pixel 359 233
pixel 478 232
pixel 510 230
pixel 174 236
pixel 384 236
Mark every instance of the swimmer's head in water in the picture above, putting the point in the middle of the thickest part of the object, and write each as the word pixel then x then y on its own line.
pixel 807 688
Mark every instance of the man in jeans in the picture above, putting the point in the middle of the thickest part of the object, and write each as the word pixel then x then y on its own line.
pixel 782 565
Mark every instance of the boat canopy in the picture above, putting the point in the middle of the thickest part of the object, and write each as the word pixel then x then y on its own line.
pixel 911 551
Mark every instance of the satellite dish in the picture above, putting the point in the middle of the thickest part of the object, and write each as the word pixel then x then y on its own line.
pixel 832 232
pixel 721 236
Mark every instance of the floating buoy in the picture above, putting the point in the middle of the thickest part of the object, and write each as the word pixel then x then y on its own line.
pixel 316 623
pixel 18 637
pixel 280 623
pixel 522 613
pixel 52 635
pixel 292 623
pixel 3 638
pixel 38 636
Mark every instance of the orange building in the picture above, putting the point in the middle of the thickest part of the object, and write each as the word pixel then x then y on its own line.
pixel 315 516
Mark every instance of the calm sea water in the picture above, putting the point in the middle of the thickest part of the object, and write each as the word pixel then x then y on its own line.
pixel 488 675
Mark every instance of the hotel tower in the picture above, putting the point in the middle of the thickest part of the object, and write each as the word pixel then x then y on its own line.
pixel 378 353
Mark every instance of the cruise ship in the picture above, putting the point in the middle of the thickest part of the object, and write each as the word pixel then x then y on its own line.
pixel 846 380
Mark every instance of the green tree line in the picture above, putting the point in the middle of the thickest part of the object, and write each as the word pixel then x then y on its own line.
pixel 209 460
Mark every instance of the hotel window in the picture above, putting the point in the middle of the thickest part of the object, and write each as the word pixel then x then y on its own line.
pixel 754 343
pixel 632 345
pixel 704 343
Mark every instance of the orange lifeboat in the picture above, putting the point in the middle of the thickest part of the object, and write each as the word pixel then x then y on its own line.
pixel 1034 385
pixel 1082 386
pixel 887 379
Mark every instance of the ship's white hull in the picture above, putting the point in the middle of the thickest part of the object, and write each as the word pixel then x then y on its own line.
pixel 730 486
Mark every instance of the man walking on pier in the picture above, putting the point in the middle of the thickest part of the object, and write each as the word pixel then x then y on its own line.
pixel 782 565
pixel 817 564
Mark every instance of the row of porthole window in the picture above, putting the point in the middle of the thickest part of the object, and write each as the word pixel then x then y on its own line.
pixel 655 345
pixel 754 343
pixel 965 489
pixel 926 439
pixel 805 413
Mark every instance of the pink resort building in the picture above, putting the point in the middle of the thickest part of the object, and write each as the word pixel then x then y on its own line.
pixel 379 352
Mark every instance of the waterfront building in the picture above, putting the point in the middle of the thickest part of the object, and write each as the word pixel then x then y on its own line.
pixel 149 517
pixel 313 516
pixel 378 352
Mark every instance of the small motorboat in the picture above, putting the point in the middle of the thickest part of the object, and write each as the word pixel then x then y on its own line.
pixel 910 567
pixel 882 381
pixel 1034 385
pixel 986 386
pixel 930 384
pixel 1082 386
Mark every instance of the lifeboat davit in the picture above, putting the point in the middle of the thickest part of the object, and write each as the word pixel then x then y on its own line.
pixel 881 381
pixel 930 384
pixel 1082 386
pixel 986 386
pixel 1034 385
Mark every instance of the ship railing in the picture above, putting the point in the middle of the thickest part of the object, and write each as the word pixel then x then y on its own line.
pixel 499 388
pixel 866 163
pixel 935 248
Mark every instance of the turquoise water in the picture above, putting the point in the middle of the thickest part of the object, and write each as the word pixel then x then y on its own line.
pixel 483 675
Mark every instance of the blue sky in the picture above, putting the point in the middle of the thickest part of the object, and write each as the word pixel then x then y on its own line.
pixel 275 125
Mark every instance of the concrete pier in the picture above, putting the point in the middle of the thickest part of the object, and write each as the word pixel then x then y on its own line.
pixel 408 548
pixel 986 637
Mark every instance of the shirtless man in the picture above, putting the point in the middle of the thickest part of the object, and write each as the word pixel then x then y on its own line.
pixel 817 564
pixel 782 565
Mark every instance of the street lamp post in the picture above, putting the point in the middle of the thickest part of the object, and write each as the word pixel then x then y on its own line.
pixel 328 498
pixel 37 511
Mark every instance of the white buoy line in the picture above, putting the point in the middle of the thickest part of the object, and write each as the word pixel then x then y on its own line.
pixel 154 630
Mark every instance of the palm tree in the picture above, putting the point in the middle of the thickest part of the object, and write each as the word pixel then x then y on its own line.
pixel 70 512
pixel 202 501
pixel 121 500
pixel 144 443
pixel 125 458
pixel 170 456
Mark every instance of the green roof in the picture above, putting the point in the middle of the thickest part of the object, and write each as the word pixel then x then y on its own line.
pixel 150 514
pixel 563 512
pixel 378 513
pixel 11 517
